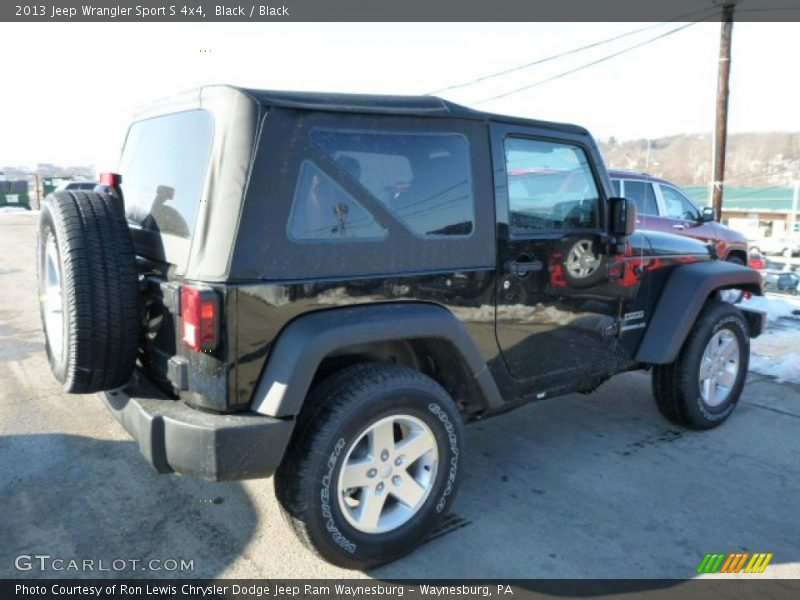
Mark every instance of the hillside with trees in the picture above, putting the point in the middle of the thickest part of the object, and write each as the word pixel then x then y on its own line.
pixel 753 159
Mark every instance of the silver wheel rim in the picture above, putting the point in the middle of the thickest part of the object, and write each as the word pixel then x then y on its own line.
pixel 387 474
pixel 581 261
pixel 52 300
pixel 719 367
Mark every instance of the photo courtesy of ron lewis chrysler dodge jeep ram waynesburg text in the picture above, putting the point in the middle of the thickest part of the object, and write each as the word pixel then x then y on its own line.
pixel 326 287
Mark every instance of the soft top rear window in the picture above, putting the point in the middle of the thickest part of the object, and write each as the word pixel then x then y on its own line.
pixel 163 170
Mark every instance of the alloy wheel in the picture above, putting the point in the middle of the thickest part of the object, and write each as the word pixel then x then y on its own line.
pixel 387 474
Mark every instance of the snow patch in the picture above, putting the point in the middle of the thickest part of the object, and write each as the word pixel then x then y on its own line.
pixel 776 353
pixel 776 308
pixel 785 369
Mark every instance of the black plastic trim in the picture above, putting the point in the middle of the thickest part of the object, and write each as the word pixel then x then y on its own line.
pixel 686 291
pixel 307 340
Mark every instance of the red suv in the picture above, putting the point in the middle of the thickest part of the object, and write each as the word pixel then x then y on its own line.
pixel 664 207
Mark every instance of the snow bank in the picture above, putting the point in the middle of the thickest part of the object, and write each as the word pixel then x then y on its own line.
pixel 775 307
pixel 785 369
pixel 776 352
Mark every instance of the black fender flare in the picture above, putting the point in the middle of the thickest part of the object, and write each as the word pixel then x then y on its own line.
pixel 308 339
pixel 684 294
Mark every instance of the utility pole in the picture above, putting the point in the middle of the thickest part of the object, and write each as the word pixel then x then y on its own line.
pixel 721 129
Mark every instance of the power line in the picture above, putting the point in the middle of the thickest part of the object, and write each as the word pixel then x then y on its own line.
pixel 592 63
pixel 563 54
pixel 458 86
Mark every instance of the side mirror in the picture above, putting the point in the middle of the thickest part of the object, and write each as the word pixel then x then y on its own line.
pixel 623 216
pixel 708 214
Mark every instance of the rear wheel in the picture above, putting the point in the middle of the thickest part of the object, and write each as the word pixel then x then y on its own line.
pixel 701 387
pixel 373 464
pixel 88 291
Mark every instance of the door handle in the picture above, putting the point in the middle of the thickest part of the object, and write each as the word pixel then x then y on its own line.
pixel 522 268
pixel 680 226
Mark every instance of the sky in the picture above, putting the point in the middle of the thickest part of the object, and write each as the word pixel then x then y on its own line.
pixel 69 89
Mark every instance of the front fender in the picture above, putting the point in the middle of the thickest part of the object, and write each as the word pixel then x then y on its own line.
pixel 307 340
pixel 685 292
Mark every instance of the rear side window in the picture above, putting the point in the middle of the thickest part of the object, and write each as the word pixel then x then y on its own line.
pixel 424 180
pixel 641 192
pixel 163 168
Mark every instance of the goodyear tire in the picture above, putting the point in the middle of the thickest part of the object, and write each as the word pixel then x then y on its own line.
pixel 702 386
pixel 88 291
pixel 373 464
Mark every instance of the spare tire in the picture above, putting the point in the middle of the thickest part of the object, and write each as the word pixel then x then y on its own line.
pixel 583 265
pixel 88 291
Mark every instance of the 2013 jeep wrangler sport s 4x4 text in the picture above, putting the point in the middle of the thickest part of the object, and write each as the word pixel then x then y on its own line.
pixel 325 287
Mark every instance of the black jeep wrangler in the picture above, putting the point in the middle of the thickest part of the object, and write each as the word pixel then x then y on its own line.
pixel 325 287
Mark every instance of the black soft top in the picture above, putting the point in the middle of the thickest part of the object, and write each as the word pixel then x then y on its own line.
pixel 238 114
pixel 421 106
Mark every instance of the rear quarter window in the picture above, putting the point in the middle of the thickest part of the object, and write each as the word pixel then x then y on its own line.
pixel 163 166
pixel 424 180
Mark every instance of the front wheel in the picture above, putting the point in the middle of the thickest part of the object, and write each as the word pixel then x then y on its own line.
pixel 373 466
pixel 701 387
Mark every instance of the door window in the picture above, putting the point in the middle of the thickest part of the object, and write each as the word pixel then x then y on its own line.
pixel 550 187
pixel 678 206
pixel 642 193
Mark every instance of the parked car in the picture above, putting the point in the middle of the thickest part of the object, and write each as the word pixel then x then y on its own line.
pixel 788 282
pixel 663 206
pixel 783 245
pixel 217 298
pixel 757 261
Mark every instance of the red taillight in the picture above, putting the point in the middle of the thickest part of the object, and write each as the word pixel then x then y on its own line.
pixel 200 318
pixel 111 179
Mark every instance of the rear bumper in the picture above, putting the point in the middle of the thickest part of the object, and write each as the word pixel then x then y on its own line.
pixel 175 438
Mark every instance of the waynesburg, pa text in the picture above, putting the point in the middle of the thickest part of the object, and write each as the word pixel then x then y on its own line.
pixel 267 590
